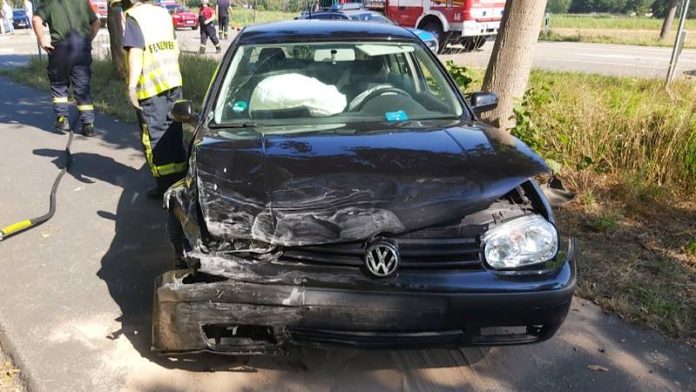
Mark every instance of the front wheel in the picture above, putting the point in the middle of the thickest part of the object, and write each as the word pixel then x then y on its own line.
pixel 435 28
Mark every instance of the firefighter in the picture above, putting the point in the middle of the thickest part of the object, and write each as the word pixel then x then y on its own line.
pixel 154 85
pixel 206 17
pixel 72 26
pixel 223 7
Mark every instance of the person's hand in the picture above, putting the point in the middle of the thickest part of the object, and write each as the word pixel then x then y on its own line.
pixel 133 98
pixel 45 44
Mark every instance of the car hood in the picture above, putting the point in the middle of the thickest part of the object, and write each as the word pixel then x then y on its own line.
pixel 294 186
pixel 422 34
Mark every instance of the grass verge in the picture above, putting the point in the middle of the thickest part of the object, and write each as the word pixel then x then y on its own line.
pixel 623 145
pixel 609 29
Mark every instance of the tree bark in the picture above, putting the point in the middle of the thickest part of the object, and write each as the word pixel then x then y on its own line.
pixel 511 61
pixel 114 22
pixel 669 18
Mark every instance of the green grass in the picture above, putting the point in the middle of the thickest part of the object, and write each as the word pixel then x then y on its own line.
pixel 612 22
pixel 606 222
pixel 691 247
pixel 240 17
pixel 610 29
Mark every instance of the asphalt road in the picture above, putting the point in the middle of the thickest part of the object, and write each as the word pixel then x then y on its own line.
pixel 76 292
pixel 617 60
pixel 614 60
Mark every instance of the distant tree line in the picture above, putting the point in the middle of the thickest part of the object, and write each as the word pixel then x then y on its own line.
pixel 639 7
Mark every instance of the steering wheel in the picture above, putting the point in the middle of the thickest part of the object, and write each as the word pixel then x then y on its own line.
pixel 374 94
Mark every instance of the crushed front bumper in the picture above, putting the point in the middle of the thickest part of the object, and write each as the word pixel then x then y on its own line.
pixel 207 313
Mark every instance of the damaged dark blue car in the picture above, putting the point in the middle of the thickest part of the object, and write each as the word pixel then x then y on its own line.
pixel 342 191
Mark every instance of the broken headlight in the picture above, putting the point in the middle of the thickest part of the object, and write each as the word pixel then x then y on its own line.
pixel 520 242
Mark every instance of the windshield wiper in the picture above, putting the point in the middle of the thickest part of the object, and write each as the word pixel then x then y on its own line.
pixel 245 124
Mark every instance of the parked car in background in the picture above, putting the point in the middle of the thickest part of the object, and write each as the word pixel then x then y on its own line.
pixel 355 13
pixel 182 17
pixel 341 190
pixel 101 8
pixel 19 19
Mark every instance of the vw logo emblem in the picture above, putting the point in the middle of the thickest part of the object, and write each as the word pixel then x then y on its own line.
pixel 382 259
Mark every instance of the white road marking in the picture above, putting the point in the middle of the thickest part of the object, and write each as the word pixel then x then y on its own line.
pixel 565 60
pixel 633 57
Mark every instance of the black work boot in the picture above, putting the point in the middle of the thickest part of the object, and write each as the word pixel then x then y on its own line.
pixel 218 49
pixel 88 129
pixel 201 50
pixel 62 125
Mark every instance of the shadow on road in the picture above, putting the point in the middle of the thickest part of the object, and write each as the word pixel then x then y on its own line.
pixel 13 60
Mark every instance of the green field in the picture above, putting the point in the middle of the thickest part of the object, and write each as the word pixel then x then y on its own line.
pixel 614 30
pixel 612 22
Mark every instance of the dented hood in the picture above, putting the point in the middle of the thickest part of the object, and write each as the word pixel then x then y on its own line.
pixel 295 186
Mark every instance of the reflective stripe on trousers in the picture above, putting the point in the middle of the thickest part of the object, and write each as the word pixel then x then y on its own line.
pixel 161 137
pixel 69 64
pixel 157 170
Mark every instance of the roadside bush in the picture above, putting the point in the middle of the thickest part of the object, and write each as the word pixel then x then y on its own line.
pixel 627 127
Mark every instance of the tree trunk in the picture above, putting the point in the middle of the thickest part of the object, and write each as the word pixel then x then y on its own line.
pixel 114 22
pixel 511 61
pixel 669 18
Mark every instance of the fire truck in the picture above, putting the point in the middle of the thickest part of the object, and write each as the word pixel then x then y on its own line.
pixel 467 22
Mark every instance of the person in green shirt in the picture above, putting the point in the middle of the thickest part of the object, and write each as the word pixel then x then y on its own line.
pixel 72 25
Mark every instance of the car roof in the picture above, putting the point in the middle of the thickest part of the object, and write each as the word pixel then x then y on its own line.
pixel 312 29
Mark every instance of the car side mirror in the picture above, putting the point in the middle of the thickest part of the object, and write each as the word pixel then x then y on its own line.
pixel 483 102
pixel 182 111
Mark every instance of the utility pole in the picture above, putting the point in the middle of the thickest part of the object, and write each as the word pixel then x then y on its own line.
pixel 678 44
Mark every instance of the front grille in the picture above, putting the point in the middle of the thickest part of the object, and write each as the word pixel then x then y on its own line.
pixel 416 253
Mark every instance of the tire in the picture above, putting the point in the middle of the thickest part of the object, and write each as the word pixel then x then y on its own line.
pixel 194 27
pixel 472 43
pixel 435 28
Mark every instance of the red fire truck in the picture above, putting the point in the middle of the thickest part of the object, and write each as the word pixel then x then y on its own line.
pixel 468 22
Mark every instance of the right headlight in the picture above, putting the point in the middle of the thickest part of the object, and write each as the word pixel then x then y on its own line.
pixel 520 242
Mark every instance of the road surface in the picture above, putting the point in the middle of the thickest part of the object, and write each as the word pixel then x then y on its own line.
pixel 76 293
pixel 614 60
pixel 617 60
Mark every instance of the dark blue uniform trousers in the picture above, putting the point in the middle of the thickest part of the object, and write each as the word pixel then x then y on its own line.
pixel 69 64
